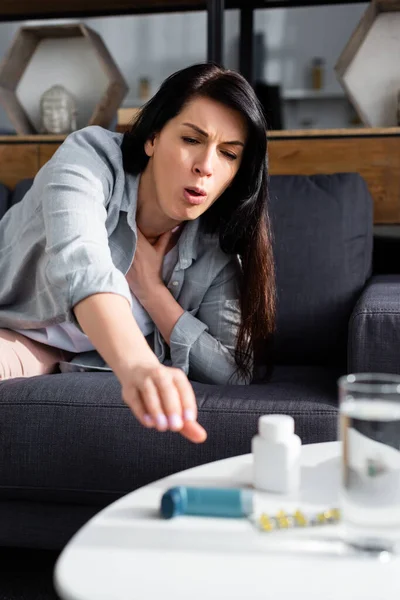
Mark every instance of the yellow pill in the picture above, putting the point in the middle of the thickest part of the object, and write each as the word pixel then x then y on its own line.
pixel 336 514
pixel 266 523
pixel 300 518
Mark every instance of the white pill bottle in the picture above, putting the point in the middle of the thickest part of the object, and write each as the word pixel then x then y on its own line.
pixel 276 455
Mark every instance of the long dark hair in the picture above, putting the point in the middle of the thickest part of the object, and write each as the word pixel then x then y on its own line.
pixel 240 215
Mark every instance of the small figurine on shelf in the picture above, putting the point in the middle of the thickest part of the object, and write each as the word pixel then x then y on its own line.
pixel 58 111
pixel 144 89
pixel 317 73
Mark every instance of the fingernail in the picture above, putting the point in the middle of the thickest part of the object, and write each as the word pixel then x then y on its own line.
pixel 175 421
pixel 188 414
pixel 162 421
pixel 147 420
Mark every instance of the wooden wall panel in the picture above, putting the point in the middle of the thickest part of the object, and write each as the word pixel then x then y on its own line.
pixel 376 159
pixel 375 156
pixel 17 161
pixel 46 151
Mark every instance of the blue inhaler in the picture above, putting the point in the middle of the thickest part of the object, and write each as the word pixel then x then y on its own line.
pixel 206 502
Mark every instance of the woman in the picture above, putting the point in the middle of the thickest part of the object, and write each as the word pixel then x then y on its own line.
pixel 150 250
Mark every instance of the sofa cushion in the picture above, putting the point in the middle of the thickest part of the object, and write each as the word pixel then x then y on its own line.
pixel 4 199
pixel 70 438
pixel 322 228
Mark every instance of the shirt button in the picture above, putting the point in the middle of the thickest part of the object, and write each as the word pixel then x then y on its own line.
pixel 175 283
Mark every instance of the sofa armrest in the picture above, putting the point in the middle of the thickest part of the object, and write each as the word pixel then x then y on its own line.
pixel 374 328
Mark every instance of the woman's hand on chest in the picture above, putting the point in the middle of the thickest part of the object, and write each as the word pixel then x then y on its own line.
pixel 145 273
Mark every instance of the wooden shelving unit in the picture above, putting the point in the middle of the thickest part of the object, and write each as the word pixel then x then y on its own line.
pixel 14 10
pixel 17 9
pixel 374 153
pixel 23 49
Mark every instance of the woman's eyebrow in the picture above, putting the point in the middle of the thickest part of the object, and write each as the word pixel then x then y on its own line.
pixel 205 134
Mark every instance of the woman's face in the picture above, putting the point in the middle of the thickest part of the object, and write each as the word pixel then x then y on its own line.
pixel 195 158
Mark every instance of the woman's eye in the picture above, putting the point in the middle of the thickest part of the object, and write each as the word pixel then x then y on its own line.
pixel 229 155
pixel 190 140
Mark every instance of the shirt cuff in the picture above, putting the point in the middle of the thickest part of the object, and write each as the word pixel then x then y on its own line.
pixel 91 281
pixel 186 331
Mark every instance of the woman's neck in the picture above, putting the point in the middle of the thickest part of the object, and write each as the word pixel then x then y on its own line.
pixel 149 219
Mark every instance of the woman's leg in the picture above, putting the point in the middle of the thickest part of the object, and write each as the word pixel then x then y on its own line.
pixel 23 357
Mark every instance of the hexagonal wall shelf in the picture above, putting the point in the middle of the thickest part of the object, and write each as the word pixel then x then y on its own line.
pixel 78 42
pixel 368 68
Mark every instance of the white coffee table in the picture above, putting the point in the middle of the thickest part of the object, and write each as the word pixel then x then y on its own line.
pixel 126 552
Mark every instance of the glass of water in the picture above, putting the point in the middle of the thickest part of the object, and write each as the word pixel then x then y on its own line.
pixel 370 435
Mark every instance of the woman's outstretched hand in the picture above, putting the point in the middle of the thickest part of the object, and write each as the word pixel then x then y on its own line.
pixel 162 397
pixel 159 396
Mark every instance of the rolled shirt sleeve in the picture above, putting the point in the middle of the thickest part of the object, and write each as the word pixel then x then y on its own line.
pixel 203 344
pixel 75 191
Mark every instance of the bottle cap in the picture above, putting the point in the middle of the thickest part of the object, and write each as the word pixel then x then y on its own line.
pixel 173 502
pixel 247 502
pixel 276 428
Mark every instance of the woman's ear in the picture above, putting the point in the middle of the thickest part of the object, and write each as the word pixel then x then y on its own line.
pixel 149 146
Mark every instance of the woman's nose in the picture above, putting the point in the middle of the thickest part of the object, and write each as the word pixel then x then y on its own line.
pixel 203 165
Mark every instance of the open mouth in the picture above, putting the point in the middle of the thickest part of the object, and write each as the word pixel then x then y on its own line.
pixel 194 196
pixel 194 192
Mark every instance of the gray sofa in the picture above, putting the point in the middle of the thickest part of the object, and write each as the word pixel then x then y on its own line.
pixel 69 445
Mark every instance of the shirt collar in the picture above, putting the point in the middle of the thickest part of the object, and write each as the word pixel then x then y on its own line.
pixel 187 244
pixel 129 200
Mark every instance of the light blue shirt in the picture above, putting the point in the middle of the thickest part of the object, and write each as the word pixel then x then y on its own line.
pixel 74 235
pixel 69 337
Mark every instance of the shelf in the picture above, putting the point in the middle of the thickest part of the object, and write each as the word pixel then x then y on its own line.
pixel 47 9
pixel 277 135
pixel 374 153
pixel 349 132
pixel 15 10
pixel 19 62
pixel 302 94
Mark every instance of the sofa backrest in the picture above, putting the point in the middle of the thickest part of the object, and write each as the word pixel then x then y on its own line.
pixel 4 199
pixel 9 197
pixel 322 227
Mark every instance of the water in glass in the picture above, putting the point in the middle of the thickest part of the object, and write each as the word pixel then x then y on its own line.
pixel 370 495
